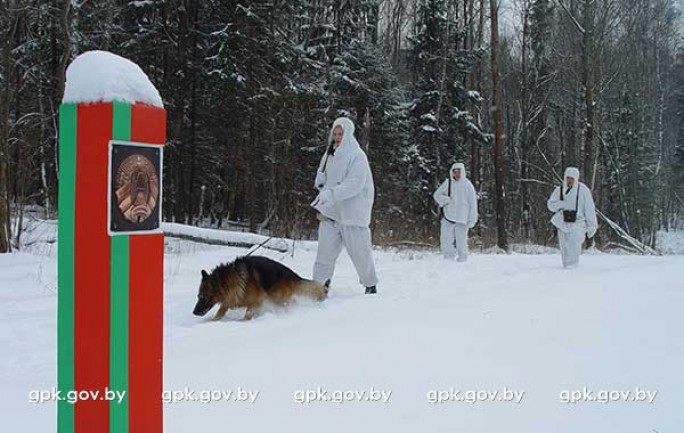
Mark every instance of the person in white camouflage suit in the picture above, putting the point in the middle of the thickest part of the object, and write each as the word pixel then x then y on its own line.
pixel 344 205
pixel 574 215
pixel 457 200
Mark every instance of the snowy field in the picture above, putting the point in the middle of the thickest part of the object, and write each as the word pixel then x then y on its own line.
pixel 498 322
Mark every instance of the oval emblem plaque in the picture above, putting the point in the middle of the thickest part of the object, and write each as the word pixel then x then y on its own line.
pixel 137 188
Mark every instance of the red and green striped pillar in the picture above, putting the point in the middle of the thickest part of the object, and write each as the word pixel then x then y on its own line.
pixel 109 316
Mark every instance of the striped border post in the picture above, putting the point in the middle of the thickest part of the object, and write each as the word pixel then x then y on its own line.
pixel 110 322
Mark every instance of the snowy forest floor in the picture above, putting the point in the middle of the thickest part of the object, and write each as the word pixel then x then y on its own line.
pixel 516 322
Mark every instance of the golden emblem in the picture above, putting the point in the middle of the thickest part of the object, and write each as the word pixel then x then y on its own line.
pixel 137 188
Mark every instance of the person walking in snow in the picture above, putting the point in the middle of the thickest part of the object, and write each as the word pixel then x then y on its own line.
pixel 574 215
pixel 457 200
pixel 344 203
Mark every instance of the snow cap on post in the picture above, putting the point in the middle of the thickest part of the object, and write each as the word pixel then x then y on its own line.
pixel 100 76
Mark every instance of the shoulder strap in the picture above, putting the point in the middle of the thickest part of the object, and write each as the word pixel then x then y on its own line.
pixel 561 191
pixel 449 180
pixel 327 155
pixel 578 193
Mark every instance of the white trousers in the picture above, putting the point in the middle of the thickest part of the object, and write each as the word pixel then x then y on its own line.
pixel 571 246
pixel 332 236
pixel 451 233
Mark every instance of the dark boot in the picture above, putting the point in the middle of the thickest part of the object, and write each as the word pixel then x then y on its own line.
pixel 371 290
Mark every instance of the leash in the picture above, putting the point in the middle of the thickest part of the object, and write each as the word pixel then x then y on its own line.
pixel 259 246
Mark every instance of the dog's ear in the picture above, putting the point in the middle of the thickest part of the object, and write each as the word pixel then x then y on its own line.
pixel 204 274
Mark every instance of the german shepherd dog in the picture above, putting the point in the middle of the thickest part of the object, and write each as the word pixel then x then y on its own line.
pixel 248 282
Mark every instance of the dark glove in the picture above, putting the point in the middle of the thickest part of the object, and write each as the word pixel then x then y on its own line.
pixel 589 241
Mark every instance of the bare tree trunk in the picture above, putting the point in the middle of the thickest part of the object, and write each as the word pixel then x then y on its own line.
pixel 66 46
pixel 499 138
pixel 475 147
pixel 442 85
pixel 251 190
pixel 588 84
pixel 193 107
pixel 366 129
pixel 178 106
pixel 192 142
pixel 43 138
pixel 525 107
pixel 5 220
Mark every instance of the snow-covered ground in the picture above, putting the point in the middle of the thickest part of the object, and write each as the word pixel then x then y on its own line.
pixel 516 322
pixel 671 242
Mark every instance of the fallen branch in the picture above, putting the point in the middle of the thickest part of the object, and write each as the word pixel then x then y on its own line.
pixel 635 243
pixel 619 246
pixel 409 244
pixel 224 237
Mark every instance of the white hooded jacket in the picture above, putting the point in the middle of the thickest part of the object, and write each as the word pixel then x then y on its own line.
pixel 586 211
pixel 460 204
pixel 347 176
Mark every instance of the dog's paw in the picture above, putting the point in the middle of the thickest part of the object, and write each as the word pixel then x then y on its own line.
pixel 249 315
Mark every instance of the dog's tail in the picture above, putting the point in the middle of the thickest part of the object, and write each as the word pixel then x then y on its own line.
pixel 313 289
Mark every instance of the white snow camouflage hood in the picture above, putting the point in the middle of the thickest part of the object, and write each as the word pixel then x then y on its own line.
pixel 459 166
pixel 572 172
pixel 349 143
pixel 345 173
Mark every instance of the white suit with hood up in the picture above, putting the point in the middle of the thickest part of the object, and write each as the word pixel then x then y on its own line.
pixel 458 202
pixel 571 235
pixel 345 201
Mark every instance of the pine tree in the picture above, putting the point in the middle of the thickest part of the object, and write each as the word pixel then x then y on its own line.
pixel 440 114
